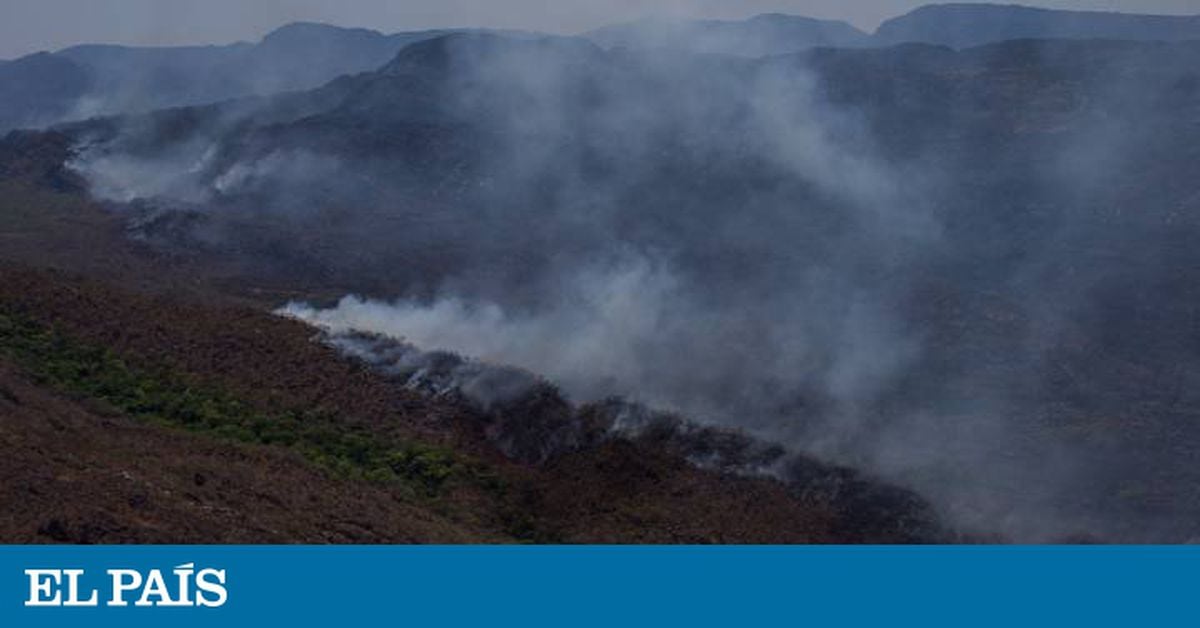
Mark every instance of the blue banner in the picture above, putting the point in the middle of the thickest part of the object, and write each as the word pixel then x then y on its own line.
pixel 601 586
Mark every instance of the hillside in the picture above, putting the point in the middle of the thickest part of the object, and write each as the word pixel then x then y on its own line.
pixel 135 419
pixel 40 89
pixel 151 397
pixel 80 472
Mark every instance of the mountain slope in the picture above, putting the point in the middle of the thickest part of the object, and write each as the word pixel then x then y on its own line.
pixel 120 413
pixel 79 472
pixel 40 89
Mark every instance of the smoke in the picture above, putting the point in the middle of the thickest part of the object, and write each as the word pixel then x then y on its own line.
pixel 620 331
pixel 896 260
pixel 772 311
pixel 705 236
pixel 122 178
pixel 614 315
pixel 588 341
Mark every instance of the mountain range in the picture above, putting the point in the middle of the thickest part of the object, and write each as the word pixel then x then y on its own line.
pixel 91 80
pixel 88 80
pixel 963 25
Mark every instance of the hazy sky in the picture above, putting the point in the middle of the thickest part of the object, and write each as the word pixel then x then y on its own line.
pixel 32 25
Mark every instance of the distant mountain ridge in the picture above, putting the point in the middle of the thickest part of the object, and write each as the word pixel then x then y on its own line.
pixel 958 25
pixel 99 79
pixel 962 25
pixel 39 89
pixel 761 35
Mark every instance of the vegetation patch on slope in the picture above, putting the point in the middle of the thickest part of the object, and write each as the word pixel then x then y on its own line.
pixel 165 398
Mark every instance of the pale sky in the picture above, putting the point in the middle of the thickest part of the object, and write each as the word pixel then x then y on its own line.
pixel 32 25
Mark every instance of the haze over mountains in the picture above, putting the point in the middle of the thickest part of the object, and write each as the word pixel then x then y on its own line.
pixel 87 80
pixel 755 37
pixel 970 272
pixel 91 80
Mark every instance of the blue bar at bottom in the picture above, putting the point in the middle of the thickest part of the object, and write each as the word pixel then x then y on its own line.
pixel 614 586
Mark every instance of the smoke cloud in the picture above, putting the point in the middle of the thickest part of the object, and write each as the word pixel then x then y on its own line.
pixel 897 260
